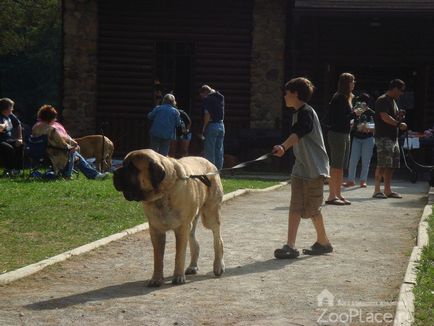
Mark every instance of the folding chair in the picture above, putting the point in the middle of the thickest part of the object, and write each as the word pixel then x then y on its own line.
pixel 36 150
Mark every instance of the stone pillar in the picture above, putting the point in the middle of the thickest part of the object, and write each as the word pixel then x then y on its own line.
pixel 267 67
pixel 80 31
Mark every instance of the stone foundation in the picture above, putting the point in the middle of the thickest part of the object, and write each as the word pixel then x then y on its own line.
pixel 267 67
pixel 80 31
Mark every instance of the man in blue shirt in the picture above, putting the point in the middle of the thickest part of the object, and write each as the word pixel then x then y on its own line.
pixel 11 142
pixel 165 118
pixel 213 126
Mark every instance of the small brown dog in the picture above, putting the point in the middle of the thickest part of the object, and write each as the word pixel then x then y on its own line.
pixel 92 146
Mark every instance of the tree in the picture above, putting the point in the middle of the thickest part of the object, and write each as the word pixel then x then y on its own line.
pixel 30 52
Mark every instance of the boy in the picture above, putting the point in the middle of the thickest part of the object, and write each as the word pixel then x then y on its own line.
pixel 310 168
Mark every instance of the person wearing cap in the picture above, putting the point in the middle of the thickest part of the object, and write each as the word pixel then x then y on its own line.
pixel 387 126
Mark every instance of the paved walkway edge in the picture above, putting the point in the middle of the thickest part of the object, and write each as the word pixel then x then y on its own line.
pixel 404 315
pixel 36 267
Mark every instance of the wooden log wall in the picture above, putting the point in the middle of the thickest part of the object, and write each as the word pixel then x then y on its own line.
pixel 220 34
pixel 376 48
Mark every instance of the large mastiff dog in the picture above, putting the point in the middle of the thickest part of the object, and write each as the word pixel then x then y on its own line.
pixel 173 202
pixel 93 146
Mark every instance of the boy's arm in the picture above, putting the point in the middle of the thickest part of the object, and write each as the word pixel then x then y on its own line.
pixel 279 150
pixel 302 127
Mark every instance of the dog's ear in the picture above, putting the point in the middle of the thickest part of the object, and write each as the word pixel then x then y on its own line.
pixel 119 178
pixel 157 174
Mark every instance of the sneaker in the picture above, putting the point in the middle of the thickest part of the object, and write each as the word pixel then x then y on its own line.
pixel 101 176
pixel 35 174
pixel 363 184
pixel 286 252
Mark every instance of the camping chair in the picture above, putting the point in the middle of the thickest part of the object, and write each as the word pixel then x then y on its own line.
pixel 36 151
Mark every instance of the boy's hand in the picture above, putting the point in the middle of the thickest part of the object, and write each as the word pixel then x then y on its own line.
pixel 278 150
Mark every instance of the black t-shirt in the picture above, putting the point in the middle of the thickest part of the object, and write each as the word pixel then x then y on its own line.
pixel 382 129
pixel 6 135
pixel 214 104
pixel 364 118
pixel 340 114
pixel 304 124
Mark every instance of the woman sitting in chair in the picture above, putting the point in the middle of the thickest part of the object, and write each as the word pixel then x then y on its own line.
pixel 11 142
pixel 62 149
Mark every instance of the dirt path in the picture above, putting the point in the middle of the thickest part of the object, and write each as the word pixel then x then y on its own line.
pixel 372 240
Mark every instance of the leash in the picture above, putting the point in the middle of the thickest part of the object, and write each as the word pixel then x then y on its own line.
pixel 409 149
pixel 204 177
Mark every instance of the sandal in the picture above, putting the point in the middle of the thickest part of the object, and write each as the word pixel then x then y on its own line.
pixel 345 201
pixel 286 252
pixel 318 249
pixel 348 184
pixel 335 201
pixel 394 195
pixel 379 195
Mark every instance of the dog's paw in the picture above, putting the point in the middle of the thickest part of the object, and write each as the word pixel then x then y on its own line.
pixel 219 268
pixel 178 279
pixel 191 270
pixel 155 283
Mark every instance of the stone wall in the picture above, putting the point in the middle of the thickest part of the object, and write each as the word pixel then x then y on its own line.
pixel 80 31
pixel 267 67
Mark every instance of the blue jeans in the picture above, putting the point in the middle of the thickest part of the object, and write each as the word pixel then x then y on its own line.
pixel 160 145
pixel 213 143
pixel 360 148
pixel 87 169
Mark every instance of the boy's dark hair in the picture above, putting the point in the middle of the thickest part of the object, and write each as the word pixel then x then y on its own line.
pixel 6 103
pixel 396 83
pixel 302 86
pixel 47 113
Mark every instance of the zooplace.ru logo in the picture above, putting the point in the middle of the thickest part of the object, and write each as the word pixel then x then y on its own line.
pixel 353 311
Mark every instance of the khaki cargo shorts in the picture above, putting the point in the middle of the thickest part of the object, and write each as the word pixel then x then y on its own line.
pixel 388 154
pixel 306 196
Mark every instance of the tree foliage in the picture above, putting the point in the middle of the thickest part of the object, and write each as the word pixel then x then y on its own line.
pixel 24 24
pixel 30 52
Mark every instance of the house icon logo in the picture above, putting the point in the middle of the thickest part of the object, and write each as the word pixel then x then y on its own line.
pixel 325 298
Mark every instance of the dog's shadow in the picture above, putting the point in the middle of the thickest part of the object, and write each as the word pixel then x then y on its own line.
pixel 139 288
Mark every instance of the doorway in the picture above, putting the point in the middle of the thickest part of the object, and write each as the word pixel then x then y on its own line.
pixel 174 73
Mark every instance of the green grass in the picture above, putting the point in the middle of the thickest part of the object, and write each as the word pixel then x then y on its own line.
pixel 230 184
pixel 42 219
pixel 424 289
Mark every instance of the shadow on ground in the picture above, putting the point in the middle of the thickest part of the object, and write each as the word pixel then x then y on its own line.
pixel 139 288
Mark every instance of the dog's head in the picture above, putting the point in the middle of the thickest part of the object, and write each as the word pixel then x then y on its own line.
pixel 140 176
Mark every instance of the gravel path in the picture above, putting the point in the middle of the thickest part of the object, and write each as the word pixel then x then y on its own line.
pixel 372 239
